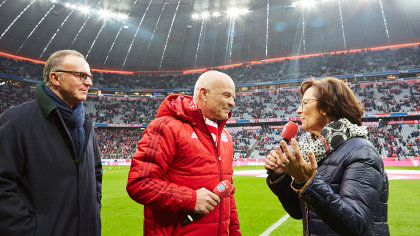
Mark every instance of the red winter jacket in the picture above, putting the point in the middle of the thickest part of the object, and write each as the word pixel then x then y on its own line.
pixel 175 157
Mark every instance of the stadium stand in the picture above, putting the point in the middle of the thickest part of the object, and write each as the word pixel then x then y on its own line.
pixel 119 115
pixel 117 143
pixel 329 64
pixel 392 141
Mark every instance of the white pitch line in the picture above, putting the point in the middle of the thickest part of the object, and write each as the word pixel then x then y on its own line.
pixel 275 225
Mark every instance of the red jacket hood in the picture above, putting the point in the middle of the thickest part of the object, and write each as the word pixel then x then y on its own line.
pixel 180 106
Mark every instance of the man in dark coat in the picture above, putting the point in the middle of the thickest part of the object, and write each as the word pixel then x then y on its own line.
pixel 50 169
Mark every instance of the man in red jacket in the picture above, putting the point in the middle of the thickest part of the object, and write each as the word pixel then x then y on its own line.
pixel 183 154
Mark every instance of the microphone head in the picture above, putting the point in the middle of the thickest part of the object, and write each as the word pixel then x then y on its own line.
pixel 290 130
pixel 223 189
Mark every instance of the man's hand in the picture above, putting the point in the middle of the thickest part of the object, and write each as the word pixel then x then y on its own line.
pixel 274 162
pixel 206 201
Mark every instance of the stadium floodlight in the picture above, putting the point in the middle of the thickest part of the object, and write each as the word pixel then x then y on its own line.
pixel 196 16
pixel 307 3
pixel 84 9
pixel 205 15
pixel 105 13
pixel 121 16
pixel 234 12
pixel 243 11
pixel 294 4
pixel 216 14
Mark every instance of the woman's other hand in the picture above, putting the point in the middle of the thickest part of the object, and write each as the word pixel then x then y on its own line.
pixel 293 162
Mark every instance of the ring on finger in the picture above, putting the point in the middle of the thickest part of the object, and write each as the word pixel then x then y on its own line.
pixel 287 164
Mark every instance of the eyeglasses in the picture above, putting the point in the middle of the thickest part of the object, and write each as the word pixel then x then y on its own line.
pixel 81 75
pixel 305 102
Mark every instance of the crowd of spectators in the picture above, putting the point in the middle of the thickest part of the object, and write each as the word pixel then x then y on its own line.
pixel 396 141
pixel 329 64
pixel 392 141
pixel 21 68
pixel 400 97
pixel 395 96
pixel 270 138
pixel 265 104
pixel 243 140
pixel 11 96
pixel 391 96
pixel 122 110
pixel 117 143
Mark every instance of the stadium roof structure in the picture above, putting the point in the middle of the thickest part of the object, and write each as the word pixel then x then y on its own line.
pixel 174 35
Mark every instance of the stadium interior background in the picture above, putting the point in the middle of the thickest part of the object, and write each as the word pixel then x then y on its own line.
pixel 143 50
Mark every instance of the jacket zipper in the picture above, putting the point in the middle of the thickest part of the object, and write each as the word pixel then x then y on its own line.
pixel 220 178
pixel 220 169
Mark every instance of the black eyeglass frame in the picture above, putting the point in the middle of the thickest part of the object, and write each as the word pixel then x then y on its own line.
pixel 81 75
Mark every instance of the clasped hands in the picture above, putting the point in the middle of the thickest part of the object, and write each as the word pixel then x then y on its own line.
pixel 291 162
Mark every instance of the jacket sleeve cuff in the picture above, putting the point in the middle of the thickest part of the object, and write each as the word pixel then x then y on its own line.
pixel 273 179
pixel 300 190
pixel 189 205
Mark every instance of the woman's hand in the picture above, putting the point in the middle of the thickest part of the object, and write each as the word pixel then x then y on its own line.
pixel 294 164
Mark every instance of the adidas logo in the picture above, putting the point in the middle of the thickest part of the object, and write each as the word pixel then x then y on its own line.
pixel 194 135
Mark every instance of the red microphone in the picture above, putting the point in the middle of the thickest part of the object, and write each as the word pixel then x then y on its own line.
pixel 289 131
pixel 222 189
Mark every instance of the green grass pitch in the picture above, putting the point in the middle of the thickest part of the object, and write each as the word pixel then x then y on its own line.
pixel 257 207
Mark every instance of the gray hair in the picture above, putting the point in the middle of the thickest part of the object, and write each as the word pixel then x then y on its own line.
pixel 54 61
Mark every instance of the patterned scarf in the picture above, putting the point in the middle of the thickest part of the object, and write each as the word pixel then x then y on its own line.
pixel 332 136
pixel 74 119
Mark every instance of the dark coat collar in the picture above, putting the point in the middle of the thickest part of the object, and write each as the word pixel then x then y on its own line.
pixel 46 104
